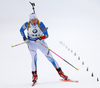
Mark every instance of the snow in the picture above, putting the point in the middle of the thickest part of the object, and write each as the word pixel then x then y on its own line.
pixel 74 23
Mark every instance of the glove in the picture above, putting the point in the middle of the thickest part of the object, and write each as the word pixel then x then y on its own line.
pixel 26 40
pixel 38 39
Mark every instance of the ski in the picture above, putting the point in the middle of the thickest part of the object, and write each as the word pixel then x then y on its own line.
pixel 33 84
pixel 69 80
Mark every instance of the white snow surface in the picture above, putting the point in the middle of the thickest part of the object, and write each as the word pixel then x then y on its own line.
pixel 74 23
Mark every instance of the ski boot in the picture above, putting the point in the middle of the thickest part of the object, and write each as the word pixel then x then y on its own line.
pixel 60 72
pixel 35 77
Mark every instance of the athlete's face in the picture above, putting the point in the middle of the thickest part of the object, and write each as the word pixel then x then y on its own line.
pixel 33 21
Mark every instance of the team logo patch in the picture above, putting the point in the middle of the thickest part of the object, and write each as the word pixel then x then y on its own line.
pixel 35 31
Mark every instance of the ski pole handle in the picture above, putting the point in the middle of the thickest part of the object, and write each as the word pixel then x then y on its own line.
pixel 17 44
pixel 60 57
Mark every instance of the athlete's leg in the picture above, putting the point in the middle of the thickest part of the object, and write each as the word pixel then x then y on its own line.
pixel 48 55
pixel 32 46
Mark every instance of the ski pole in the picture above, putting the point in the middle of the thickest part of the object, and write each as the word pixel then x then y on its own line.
pixel 17 44
pixel 59 56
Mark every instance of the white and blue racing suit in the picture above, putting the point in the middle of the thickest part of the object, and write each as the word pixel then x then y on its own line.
pixel 33 33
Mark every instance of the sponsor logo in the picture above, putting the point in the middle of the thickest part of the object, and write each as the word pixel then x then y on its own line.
pixel 34 31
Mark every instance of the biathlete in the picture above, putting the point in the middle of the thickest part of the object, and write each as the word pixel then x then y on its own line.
pixel 37 32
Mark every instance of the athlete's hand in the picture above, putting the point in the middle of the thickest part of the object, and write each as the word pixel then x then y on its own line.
pixel 38 39
pixel 26 40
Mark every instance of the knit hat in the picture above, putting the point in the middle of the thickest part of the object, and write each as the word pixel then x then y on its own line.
pixel 32 16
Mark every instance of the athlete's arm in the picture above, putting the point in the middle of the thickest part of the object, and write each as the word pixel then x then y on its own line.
pixel 44 30
pixel 22 29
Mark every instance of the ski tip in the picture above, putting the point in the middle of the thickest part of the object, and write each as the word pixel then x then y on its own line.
pixel 77 81
pixel 33 84
pixel 69 80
